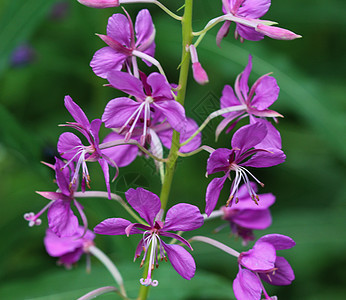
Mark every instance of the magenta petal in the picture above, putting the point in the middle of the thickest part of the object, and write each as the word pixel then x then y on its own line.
pixel 105 169
pixel 114 226
pixel 62 176
pixel 144 27
pixel 279 241
pixel 174 113
pixel 54 196
pixel 266 93
pixel 183 217
pixel 67 145
pixel 146 203
pixel 249 136
pixel 122 155
pixel 244 78
pixel 284 274
pixel 181 260
pixel 254 9
pixel 218 160
pixel 253 219
pixel 160 87
pixel 175 236
pixel 270 157
pixel 118 28
pixel 126 83
pixel 249 33
pixel 229 99
pixel 260 258
pixel 118 111
pixel 105 60
pixel 213 192
pixel 276 32
pixel 223 31
pixel 72 257
pixel 247 286
pixel 56 246
pixel 61 219
pixel 273 137
pixel 76 112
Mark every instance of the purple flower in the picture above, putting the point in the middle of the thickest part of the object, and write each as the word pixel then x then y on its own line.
pixel 71 148
pixel 180 217
pixel 245 216
pixel 61 218
pixel 68 249
pixel 121 42
pixel 160 133
pixel 261 262
pixel 263 93
pixel 153 96
pixel 246 14
pixel 244 153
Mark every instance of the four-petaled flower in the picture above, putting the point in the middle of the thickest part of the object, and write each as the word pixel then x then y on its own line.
pixel 180 217
pixel 61 219
pixel 261 262
pixel 153 95
pixel 246 14
pixel 71 148
pixel 68 249
pixel 244 153
pixel 256 100
pixel 245 216
pixel 121 43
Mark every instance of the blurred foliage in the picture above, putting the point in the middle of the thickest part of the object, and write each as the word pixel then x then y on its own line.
pixel 310 186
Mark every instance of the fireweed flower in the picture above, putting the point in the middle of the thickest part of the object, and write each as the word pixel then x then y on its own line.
pixel 244 153
pixel 160 135
pixel 246 14
pixel 61 219
pixel 121 43
pixel 180 217
pixel 262 263
pixel 71 148
pixel 153 95
pixel 245 216
pixel 68 249
pixel 263 93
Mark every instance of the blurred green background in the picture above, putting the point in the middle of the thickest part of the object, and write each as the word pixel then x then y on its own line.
pixel 310 186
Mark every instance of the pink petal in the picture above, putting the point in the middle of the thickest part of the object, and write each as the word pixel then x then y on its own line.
pixel 122 155
pixel 118 28
pixel 247 286
pixel 266 93
pixel 266 159
pixel 118 111
pixel 126 83
pixel 213 192
pixel 144 28
pixel 244 78
pixel 76 112
pixel 174 112
pixel 105 60
pixel 218 161
pixel 223 31
pixel 279 241
pixel 181 260
pixel 260 258
pixel 249 33
pixel 61 219
pixel 161 89
pixel 114 226
pixel 146 203
pixel 276 32
pixel 284 275
pixel 99 3
pixel 249 136
pixel 183 217
pixel 254 9
pixel 253 219
pixel 67 144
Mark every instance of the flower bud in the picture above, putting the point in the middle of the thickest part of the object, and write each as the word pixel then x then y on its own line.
pixel 99 3
pixel 199 74
pixel 276 32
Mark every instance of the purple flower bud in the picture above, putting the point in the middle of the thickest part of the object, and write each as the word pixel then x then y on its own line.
pixel 100 3
pixel 199 74
pixel 276 32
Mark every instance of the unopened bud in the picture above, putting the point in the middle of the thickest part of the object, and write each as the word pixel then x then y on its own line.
pixel 276 32
pixel 99 3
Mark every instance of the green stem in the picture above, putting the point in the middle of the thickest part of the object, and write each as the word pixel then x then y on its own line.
pixel 173 154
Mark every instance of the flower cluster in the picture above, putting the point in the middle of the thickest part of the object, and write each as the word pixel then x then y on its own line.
pixel 151 117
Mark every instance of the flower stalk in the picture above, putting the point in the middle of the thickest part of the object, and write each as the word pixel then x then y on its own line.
pixel 173 154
